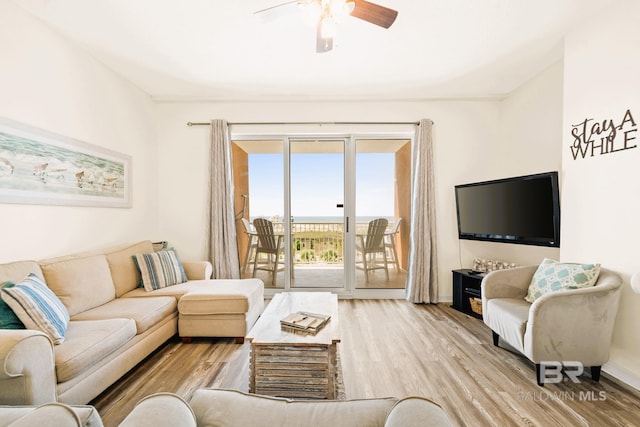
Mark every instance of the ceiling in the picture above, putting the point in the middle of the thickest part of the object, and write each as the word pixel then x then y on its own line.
pixel 220 50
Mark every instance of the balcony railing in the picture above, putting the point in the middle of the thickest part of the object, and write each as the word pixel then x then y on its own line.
pixel 318 242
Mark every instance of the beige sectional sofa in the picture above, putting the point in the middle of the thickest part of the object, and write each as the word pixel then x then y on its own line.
pixel 227 408
pixel 114 323
pixel 50 414
pixel 214 407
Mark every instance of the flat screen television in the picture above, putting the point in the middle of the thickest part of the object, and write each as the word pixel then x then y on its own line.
pixel 523 210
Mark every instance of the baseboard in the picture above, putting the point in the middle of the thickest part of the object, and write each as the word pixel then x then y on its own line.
pixel 362 293
pixel 621 374
pixel 343 294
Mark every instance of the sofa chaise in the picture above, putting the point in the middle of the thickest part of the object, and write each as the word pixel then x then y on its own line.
pixel 114 324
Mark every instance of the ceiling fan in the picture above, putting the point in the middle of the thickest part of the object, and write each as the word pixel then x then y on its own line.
pixel 331 12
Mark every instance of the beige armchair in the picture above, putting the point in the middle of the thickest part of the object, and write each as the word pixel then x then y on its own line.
pixel 565 326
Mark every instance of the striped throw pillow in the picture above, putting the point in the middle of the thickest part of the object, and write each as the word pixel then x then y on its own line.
pixel 37 307
pixel 160 269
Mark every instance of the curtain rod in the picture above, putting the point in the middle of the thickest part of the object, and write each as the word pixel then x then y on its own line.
pixel 306 123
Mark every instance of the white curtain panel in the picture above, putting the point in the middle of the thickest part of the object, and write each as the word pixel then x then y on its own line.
pixel 422 278
pixel 222 246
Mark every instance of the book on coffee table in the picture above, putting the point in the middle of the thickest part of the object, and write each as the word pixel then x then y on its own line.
pixel 304 321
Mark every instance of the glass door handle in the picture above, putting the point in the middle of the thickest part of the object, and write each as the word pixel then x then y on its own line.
pixel 340 205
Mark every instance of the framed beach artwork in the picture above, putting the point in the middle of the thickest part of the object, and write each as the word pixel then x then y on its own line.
pixel 40 167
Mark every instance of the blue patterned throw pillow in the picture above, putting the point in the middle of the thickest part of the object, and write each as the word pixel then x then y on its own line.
pixel 160 269
pixel 553 276
pixel 37 307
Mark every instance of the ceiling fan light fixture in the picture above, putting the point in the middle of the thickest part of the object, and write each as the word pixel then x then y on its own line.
pixel 313 10
pixel 328 27
pixel 327 14
pixel 340 8
pixel 350 6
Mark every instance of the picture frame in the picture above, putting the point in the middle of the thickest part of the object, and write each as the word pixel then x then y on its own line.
pixel 41 167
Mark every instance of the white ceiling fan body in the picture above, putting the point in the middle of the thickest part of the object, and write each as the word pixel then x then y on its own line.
pixel 328 14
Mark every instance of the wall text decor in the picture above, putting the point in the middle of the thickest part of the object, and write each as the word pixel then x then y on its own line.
pixel 591 138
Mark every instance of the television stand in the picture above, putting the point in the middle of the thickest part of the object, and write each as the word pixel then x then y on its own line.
pixel 466 285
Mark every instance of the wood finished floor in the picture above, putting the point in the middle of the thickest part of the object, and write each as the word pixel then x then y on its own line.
pixel 395 348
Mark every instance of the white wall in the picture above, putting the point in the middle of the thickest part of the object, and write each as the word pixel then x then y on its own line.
pixel 600 193
pixel 47 83
pixel 529 142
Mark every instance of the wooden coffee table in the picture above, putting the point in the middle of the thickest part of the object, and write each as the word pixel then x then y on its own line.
pixel 294 364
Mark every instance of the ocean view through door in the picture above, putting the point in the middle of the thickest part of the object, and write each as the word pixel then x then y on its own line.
pixel 306 208
pixel 317 213
pixel 382 212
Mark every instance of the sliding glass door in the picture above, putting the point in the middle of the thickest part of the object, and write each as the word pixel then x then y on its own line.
pixel 258 188
pixel 306 209
pixel 383 204
pixel 316 182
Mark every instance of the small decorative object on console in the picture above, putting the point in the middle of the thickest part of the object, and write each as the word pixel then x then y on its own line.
pixel 486 265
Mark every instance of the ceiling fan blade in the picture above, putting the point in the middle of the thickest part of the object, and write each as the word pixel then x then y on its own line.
pixel 276 11
pixel 323 44
pixel 374 13
pixel 275 6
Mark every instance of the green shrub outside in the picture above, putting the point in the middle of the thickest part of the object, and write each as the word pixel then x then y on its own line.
pixel 307 256
pixel 330 255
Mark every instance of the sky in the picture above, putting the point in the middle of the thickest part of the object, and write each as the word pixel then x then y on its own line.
pixel 317 184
